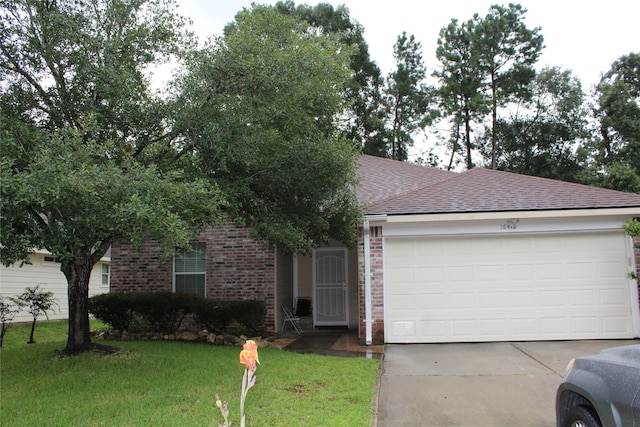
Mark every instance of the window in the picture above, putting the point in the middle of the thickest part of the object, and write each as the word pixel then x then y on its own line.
pixel 189 269
pixel 106 275
pixel 50 259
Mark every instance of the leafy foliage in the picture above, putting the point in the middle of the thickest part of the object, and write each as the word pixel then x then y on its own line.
pixel 92 156
pixel 364 122
pixel 165 311
pixel 114 309
pixel 37 302
pixel 216 316
pixel 614 156
pixel 539 134
pixel 8 311
pixel 459 95
pixel 259 107
pixel 632 227
pixel 486 62
pixel 213 315
pixel 83 138
pixel 507 51
pixel 249 314
pixel 406 96
pixel 158 311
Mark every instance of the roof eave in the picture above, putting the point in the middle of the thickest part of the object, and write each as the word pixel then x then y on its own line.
pixel 472 216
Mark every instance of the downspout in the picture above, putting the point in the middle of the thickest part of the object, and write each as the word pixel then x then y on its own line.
pixel 367 282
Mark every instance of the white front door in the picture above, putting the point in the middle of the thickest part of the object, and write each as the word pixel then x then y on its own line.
pixel 330 302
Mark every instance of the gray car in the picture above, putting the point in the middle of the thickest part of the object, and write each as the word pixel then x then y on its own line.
pixel 601 390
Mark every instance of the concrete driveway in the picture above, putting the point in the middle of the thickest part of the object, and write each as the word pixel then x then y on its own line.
pixel 484 384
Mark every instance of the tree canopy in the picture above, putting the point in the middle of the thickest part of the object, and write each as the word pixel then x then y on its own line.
pixel 91 156
pixel 406 96
pixel 613 155
pixel 460 98
pixel 507 51
pixel 80 130
pixel 485 63
pixel 363 121
pixel 259 106
pixel 538 135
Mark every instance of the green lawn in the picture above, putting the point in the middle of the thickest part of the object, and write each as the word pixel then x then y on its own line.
pixel 174 384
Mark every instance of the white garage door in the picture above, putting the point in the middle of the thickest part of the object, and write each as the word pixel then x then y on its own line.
pixel 507 288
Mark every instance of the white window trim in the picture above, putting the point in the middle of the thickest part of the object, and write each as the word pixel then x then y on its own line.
pixel 108 285
pixel 175 274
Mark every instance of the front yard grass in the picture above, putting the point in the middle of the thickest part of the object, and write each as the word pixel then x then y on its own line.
pixel 154 383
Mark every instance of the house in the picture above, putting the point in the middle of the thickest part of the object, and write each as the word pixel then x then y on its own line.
pixel 44 270
pixel 476 256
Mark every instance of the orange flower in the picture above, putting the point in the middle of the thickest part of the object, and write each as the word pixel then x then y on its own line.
pixel 249 354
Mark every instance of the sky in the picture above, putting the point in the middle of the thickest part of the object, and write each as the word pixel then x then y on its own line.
pixel 584 37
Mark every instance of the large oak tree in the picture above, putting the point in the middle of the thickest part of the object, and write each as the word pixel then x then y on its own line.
pixel 260 106
pixel 91 156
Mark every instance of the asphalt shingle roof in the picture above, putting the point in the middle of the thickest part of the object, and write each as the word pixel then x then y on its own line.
pixel 382 178
pixel 397 188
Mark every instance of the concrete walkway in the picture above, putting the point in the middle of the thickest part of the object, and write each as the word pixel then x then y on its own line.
pixel 485 384
pixel 340 342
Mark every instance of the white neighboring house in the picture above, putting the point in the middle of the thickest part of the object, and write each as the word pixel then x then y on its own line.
pixel 44 270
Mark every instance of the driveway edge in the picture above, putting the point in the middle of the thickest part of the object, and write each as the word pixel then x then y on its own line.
pixel 376 393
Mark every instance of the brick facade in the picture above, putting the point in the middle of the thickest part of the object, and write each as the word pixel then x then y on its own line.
pixel 134 270
pixel 238 268
pixel 377 285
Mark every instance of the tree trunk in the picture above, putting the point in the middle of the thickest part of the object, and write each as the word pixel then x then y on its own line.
pixel 467 138
pixel 456 143
pixel 4 331
pixel 494 121
pixel 33 328
pixel 396 131
pixel 78 273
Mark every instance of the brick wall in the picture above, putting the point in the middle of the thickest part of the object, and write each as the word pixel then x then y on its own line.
pixel 238 268
pixel 140 270
pixel 377 288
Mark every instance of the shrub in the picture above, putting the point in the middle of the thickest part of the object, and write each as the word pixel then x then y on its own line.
pixel 250 314
pixel 37 302
pixel 8 310
pixel 165 311
pixel 214 316
pixel 114 309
